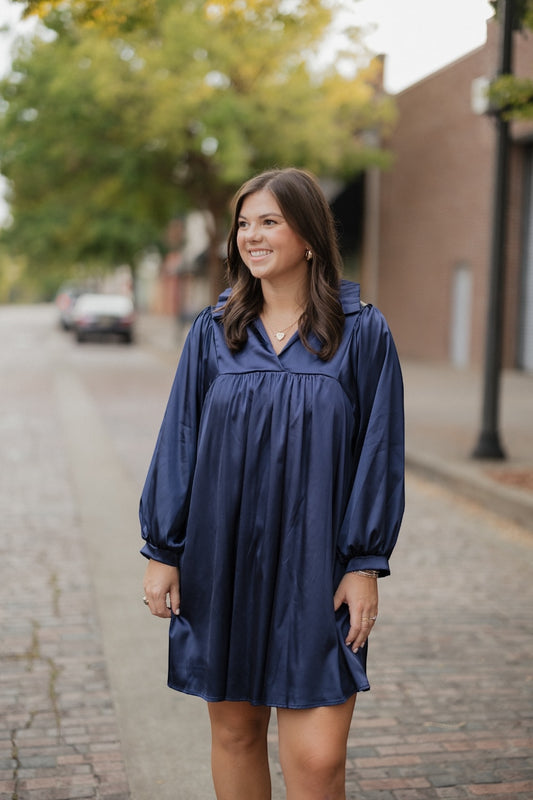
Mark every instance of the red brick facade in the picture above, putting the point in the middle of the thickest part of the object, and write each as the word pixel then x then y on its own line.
pixel 435 212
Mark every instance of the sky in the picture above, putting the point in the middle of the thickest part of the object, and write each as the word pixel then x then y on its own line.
pixel 421 36
pixel 9 16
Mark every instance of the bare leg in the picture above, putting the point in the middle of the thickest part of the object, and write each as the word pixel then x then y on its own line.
pixel 239 754
pixel 312 745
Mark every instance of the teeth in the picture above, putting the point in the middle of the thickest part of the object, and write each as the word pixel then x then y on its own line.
pixel 256 253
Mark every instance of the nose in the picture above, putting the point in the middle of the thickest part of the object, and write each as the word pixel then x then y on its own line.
pixel 253 232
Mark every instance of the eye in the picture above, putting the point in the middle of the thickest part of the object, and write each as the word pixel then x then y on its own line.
pixel 242 223
pixel 270 222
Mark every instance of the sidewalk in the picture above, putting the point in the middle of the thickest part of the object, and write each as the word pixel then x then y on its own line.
pixel 443 420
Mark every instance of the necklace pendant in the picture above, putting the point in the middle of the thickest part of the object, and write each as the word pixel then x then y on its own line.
pixel 280 335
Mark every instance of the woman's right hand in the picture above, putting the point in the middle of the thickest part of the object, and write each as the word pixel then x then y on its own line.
pixel 162 581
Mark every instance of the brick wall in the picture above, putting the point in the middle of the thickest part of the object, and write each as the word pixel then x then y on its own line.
pixel 435 210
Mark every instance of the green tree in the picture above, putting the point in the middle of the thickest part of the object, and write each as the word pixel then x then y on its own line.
pixel 111 15
pixel 509 94
pixel 105 137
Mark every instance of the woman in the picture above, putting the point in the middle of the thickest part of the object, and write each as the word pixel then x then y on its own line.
pixel 275 496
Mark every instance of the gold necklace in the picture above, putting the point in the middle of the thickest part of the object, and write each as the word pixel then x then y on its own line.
pixel 280 335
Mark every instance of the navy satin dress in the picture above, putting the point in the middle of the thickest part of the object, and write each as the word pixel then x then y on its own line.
pixel 272 476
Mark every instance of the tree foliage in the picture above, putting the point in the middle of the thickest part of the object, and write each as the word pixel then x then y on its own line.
pixel 111 15
pixel 117 125
pixel 512 95
pixel 523 13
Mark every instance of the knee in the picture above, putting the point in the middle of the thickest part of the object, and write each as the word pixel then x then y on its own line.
pixel 239 735
pixel 238 739
pixel 322 772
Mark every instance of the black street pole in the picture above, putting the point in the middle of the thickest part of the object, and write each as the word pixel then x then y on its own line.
pixel 488 445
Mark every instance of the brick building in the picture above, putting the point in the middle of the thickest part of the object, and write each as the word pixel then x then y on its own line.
pixel 426 258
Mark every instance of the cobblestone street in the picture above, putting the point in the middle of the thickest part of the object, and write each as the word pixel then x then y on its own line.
pixel 59 737
pixel 451 712
pixel 84 710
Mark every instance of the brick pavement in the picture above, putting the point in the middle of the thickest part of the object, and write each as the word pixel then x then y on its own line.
pixel 58 731
pixel 450 714
pixel 450 711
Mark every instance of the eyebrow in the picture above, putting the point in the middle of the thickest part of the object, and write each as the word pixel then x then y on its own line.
pixel 264 216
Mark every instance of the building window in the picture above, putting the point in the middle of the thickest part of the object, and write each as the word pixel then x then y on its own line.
pixel 461 315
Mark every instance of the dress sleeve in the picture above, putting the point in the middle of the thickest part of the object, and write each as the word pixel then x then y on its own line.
pixel 376 503
pixel 165 498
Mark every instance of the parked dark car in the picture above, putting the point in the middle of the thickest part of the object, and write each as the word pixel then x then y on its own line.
pixel 103 315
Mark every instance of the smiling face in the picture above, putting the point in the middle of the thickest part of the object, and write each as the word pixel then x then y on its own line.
pixel 268 246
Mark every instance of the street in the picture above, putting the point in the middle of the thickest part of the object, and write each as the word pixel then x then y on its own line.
pixel 84 708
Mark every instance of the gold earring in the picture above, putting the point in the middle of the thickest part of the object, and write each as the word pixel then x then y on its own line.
pixel 308 255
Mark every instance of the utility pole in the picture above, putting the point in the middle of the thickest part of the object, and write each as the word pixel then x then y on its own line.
pixel 488 445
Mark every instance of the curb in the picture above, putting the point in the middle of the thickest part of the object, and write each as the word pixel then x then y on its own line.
pixel 507 502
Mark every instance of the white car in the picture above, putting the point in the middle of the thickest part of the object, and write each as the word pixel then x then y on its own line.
pixel 103 314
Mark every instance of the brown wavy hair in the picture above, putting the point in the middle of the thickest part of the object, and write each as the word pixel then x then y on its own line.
pixel 306 210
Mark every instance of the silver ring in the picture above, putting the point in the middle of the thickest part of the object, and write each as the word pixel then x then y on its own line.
pixel 145 601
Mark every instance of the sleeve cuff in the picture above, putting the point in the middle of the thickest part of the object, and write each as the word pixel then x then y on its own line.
pixel 369 562
pixel 170 557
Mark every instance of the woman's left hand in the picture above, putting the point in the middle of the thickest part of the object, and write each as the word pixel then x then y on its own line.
pixel 360 593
